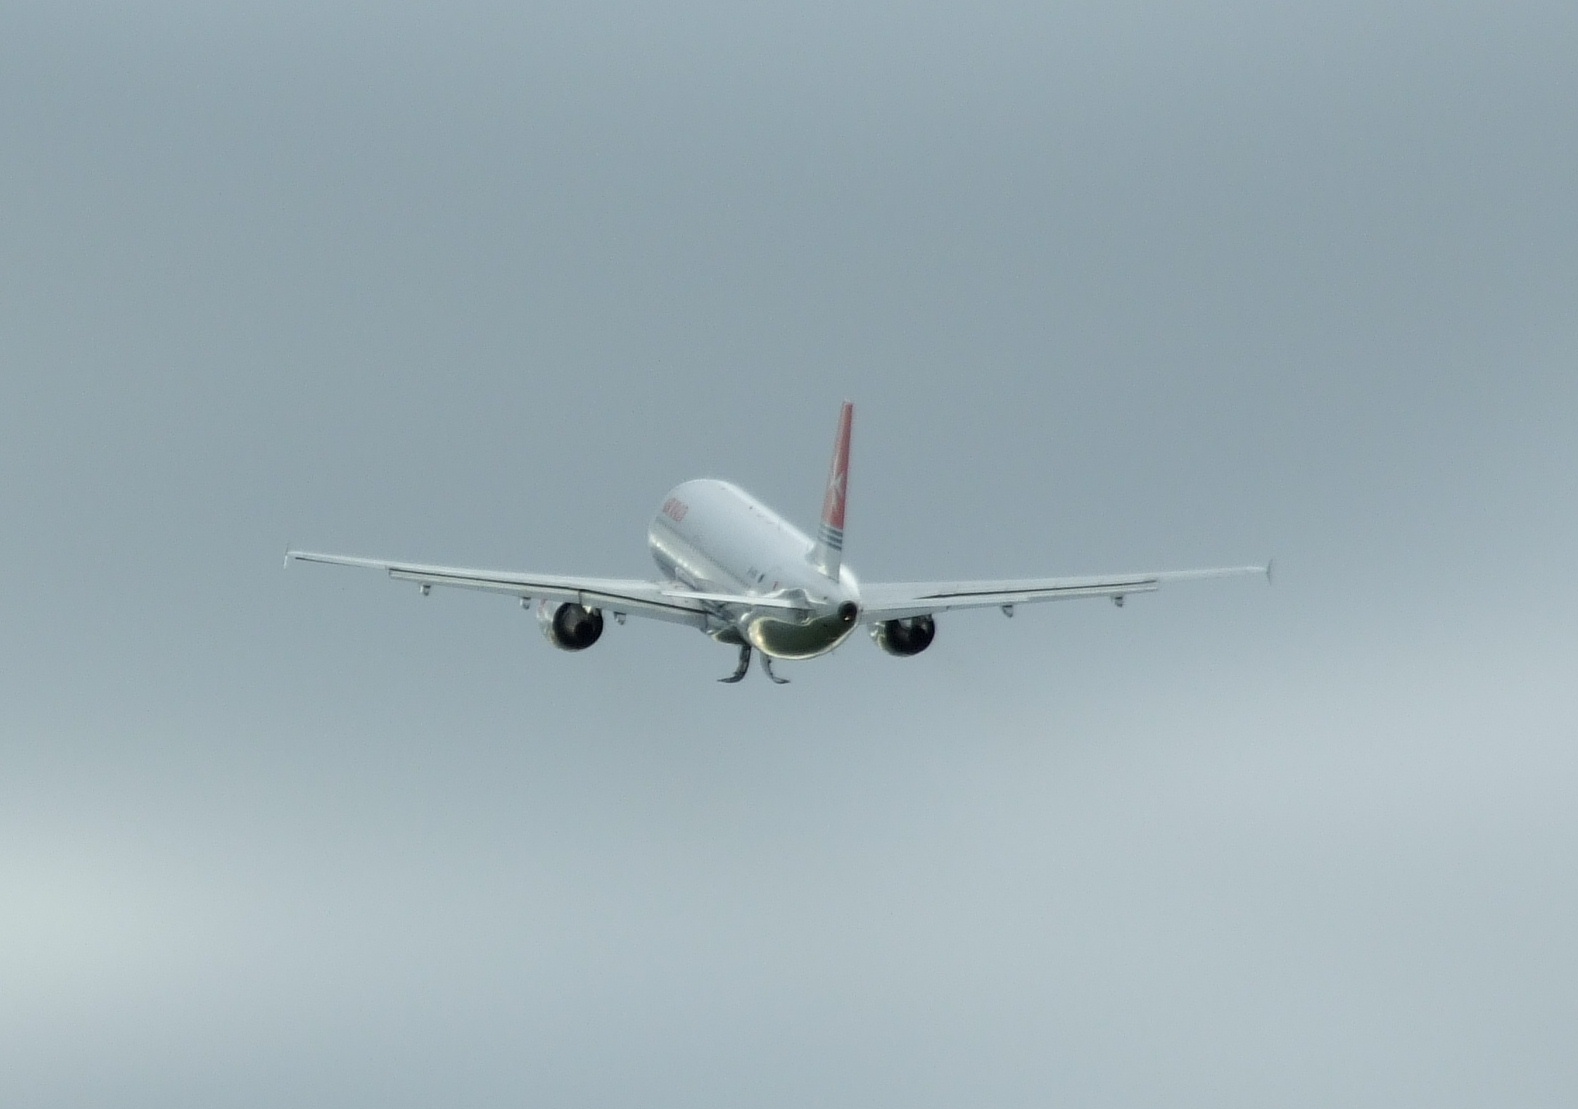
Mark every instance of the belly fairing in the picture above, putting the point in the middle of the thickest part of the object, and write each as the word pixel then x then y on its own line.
pixel 795 640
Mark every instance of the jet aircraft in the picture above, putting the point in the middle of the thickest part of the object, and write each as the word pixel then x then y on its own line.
pixel 737 571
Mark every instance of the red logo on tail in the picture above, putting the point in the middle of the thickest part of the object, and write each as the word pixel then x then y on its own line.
pixel 838 475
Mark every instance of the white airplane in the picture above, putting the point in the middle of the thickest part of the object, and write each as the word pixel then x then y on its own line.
pixel 736 570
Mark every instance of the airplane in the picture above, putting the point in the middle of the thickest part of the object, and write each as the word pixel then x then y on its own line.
pixel 737 571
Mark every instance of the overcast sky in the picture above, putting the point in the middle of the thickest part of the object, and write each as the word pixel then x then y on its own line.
pixel 1114 286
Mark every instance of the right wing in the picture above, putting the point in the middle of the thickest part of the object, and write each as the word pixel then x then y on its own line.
pixel 658 600
pixel 898 600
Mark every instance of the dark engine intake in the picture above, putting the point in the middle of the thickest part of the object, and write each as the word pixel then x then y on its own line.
pixel 570 627
pixel 905 637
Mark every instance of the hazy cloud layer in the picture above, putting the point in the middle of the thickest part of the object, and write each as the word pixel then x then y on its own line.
pixel 1113 286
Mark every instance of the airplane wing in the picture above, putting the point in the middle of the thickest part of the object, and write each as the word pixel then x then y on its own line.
pixel 659 600
pixel 897 600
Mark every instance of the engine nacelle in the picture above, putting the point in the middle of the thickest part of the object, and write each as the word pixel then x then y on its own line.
pixel 905 637
pixel 569 627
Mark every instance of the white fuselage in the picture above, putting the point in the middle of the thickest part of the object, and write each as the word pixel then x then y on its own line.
pixel 713 537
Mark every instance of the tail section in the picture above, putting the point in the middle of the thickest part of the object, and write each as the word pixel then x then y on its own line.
pixel 828 554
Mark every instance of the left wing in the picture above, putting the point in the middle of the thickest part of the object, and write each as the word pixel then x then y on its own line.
pixel 658 600
pixel 898 600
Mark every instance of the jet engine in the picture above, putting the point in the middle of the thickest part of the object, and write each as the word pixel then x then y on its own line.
pixel 905 637
pixel 569 627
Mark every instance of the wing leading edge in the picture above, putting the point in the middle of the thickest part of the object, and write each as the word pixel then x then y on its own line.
pixel 900 600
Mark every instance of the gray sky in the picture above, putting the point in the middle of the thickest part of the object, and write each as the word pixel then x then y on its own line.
pixel 1114 286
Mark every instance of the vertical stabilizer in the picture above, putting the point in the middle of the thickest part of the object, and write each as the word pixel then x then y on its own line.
pixel 828 554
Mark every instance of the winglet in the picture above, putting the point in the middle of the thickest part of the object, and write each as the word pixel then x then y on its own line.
pixel 828 554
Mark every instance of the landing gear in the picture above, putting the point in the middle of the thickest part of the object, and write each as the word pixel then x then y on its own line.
pixel 742 666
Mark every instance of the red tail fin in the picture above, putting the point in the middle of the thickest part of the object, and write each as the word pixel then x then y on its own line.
pixel 828 554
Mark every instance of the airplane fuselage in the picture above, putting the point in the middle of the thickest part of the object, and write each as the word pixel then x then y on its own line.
pixel 713 537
